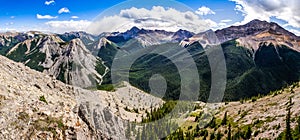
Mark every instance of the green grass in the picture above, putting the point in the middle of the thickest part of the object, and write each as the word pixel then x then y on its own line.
pixel 43 99
pixel 107 87
pixel 44 125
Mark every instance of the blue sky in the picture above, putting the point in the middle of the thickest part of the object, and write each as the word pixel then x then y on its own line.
pixel 44 15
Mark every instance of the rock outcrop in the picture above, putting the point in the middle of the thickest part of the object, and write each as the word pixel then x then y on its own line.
pixel 36 106
pixel 70 62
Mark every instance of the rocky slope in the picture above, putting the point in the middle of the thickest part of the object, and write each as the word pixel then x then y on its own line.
pixel 68 61
pixel 252 28
pixel 36 106
pixel 24 112
pixel 265 115
pixel 269 111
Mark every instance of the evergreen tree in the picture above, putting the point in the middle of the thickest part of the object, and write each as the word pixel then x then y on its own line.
pixel 212 123
pixel 248 133
pixel 229 132
pixel 205 135
pixel 197 128
pixel 212 136
pixel 180 134
pixel 297 129
pixel 224 121
pixel 288 133
pixel 219 135
pixel 237 135
pixel 189 136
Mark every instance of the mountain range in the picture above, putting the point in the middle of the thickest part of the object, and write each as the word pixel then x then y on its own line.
pixel 260 57
pixel 49 83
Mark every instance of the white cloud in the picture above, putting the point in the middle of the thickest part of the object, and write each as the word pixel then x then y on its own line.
pixel 38 16
pixel 12 17
pixel 239 8
pixel 155 18
pixel 63 10
pixel 296 32
pixel 74 17
pixel 205 11
pixel 67 26
pixel 226 20
pixel 49 2
pixel 9 23
pixel 287 11
pixel 8 30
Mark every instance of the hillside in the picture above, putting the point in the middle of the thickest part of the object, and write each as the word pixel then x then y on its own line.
pixel 68 61
pixel 260 57
pixel 262 117
pixel 36 106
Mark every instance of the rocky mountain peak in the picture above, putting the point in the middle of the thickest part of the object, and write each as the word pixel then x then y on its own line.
pixel 251 29
pixel 134 29
pixel 103 42
pixel 181 35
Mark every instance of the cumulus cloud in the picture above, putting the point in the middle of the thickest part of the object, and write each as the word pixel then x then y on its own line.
pixel 226 20
pixel 49 2
pixel 67 25
pixel 38 16
pixel 9 23
pixel 157 17
pixel 205 11
pixel 8 30
pixel 74 17
pixel 286 10
pixel 63 10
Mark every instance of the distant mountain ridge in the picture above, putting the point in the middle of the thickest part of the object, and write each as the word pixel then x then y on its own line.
pixel 259 55
pixel 253 33
pixel 150 37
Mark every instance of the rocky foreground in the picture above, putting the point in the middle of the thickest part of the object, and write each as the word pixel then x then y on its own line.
pixel 36 106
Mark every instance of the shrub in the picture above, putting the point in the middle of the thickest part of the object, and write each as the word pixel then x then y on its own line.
pixel 108 87
pixel 43 99
pixel 256 133
pixel 254 99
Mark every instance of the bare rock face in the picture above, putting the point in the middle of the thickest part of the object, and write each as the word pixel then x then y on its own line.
pixel 250 35
pixel 253 33
pixel 70 62
pixel 252 28
pixel 36 106
pixel 108 113
pixel 77 65
pixel 269 37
